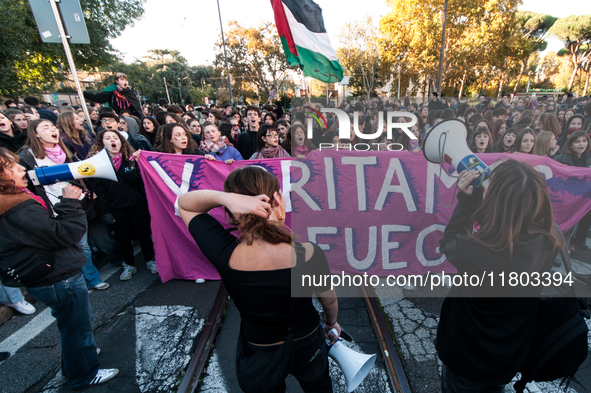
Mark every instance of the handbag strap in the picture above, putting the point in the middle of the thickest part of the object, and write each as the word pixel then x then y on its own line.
pixel 300 261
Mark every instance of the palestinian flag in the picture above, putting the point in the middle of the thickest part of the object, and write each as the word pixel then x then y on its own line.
pixel 305 42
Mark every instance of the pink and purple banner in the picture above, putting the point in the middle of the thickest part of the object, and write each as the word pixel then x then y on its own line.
pixel 372 212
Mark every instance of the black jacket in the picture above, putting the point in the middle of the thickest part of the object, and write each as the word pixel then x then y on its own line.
pixel 568 159
pixel 128 191
pixel 13 143
pixel 247 144
pixel 26 226
pixel 487 339
pixel 115 97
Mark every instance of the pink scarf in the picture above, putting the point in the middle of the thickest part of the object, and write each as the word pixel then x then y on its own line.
pixel 55 154
pixel 35 197
pixel 301 150
pixel 210 147
pixel 117 161
pixel 271 152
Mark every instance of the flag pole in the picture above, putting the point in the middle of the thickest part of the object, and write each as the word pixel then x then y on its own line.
pixel 225 56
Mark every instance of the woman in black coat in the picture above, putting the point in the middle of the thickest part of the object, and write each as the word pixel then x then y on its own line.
pixel 126 201
pixel 486 332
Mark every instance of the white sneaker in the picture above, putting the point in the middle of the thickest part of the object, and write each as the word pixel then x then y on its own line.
pixel 152 266
pixel 200 280
pixel 24 307
pixel 104 375
pixel 101 286
pixel 128 271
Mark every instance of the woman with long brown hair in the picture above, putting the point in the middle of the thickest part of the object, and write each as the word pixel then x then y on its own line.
pixel 485 332
pixel 256 268
pixel 525 141
pixel 176 139
pixel 546 145
pixel 481 140
pixel 75 137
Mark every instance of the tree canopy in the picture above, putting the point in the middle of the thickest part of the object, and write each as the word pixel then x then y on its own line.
pixel 28 65
pixel 256 60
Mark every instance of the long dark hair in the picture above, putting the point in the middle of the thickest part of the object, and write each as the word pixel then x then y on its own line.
pixel 166 145
pixel 251 180
pixel 519 139
pixel 151 136
pixel 572 138
pixel 126 148
pixel 478 131
pixel 65 123
pixel 35 143
pixel 226 130
pixel 517 203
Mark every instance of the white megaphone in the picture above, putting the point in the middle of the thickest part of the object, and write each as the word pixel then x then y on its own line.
pixel 353 364
pixel 99 165
pixel 446 142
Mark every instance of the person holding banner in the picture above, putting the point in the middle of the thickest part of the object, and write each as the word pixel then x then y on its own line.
pixel 216 146
pixel 126 201
pixel 484 341
pixel 577 153
pixel 268 144
pixel 256 267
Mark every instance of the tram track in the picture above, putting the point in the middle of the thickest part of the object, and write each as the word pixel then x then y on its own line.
pixel 196 368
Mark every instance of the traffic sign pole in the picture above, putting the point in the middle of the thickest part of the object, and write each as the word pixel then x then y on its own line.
pixel 65 42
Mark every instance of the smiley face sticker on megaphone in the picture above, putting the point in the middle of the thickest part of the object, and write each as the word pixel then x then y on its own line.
pixel 446 142
pixel 99 166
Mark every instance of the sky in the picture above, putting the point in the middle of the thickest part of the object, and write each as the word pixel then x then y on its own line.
pixel 193 26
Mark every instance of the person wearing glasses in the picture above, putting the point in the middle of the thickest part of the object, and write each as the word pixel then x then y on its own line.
pixel 268 144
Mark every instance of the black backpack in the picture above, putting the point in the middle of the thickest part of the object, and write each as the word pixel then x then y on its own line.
pixel 560 341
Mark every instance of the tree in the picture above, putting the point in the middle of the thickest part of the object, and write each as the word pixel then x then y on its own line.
pixel 255 58
pixel 476 43
pixel 359 55
pixel 532 29
pixel 27 65
pixel 575 33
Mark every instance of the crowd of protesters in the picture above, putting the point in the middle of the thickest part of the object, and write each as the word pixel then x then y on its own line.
pixel 117 212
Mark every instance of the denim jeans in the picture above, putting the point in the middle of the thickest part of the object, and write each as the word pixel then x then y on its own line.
pixel 453 383
pixel 68 301
pixel 90 272
pixel 10 295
